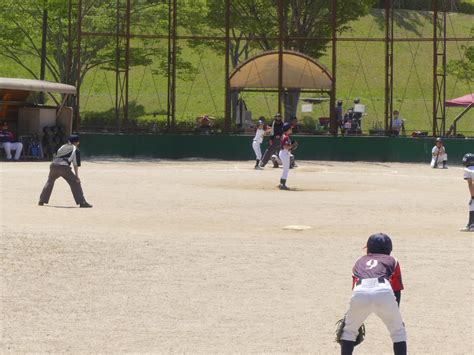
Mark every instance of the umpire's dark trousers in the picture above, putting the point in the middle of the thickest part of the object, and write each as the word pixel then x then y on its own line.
pixel 272 149
pixel 64 171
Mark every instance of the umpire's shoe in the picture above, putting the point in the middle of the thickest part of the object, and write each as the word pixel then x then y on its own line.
pixel 85 205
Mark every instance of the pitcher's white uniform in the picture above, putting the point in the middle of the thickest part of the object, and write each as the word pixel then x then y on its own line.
pixel 376 280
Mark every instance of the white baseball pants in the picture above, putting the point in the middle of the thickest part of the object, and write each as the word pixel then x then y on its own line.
pixel 285 160
pixel 8 147
pixel 257 150
pixel 374 297
pixel 441 158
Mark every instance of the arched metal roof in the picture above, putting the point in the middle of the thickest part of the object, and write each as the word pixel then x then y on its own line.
pixel 299 71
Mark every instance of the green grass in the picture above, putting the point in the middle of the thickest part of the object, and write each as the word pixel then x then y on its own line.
pixel 360 73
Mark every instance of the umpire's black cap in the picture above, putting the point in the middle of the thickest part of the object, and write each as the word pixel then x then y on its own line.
pixel 73 138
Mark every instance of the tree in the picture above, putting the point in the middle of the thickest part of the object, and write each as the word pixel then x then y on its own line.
pixel 255 24
pixel 20 42
pixel 463 69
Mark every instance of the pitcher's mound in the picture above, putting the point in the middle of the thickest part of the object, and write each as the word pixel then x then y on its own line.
pixel 297 227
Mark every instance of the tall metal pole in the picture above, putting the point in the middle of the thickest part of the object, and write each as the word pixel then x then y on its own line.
pixel 69 42
pixel 173 88
pixel 78 59
pixel 388 65
pixel 127 59
pixel 117 65
pixel 43 50
pixel 439 70
pixel 332 100
pixel 227 117
pixel 280 55
pixel 172 19
pixel 168 103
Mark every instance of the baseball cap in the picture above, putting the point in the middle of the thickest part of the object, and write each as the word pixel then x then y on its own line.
pixel 286 127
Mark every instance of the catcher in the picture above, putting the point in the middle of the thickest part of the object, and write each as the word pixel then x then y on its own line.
pixel 377 285
pixel 277 161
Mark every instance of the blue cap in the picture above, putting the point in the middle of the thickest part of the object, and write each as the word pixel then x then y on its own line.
pixel 286 127
pixel 73 138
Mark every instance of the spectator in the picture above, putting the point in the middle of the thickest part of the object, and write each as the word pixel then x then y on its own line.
pixel 357 116
pixel 397 124
pixel 204 123
pixel 340 116
pixel 7 142
pixel 350 124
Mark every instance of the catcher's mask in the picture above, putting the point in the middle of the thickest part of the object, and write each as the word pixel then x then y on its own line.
pixel 379 243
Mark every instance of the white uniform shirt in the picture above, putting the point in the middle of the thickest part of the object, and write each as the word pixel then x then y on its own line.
pixel 397 124
pixel 259 135
pixel 66 155
pixel 436 150
pixel 469 172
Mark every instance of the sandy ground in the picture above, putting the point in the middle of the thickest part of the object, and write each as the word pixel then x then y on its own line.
pixel 191 256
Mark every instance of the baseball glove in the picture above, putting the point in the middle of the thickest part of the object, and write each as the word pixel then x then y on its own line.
pixel 339 328
pixel 294 145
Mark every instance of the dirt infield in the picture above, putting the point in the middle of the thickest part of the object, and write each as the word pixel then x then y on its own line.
pixel 191 256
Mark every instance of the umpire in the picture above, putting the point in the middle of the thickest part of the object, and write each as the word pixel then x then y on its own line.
pixel 61 167
pixel 274 141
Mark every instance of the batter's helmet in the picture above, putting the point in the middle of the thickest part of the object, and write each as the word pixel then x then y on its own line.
pixel 379 243
pixel 73 138
pixel 468 159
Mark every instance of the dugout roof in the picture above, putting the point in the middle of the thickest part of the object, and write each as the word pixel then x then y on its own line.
pixel 13 89
pixel 299 71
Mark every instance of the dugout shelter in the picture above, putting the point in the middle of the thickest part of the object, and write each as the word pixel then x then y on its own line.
pixel 25 117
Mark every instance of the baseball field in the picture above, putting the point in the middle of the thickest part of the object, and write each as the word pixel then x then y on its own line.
pixel 193 257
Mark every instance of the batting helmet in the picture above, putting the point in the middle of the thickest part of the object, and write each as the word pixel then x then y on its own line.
pixel 379 243
pixel 468 159
pixel 73 138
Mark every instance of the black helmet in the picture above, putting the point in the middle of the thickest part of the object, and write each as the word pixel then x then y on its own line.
pixel 468 159
pixel 356 100
pixel 379 243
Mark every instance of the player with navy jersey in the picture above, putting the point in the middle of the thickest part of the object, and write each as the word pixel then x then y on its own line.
pixel 468 162
pixel 285 147
pixel 377 285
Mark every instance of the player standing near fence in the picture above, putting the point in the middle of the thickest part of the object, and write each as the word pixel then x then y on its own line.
pixel 285 151
pixel 61 167
pixel 468 162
